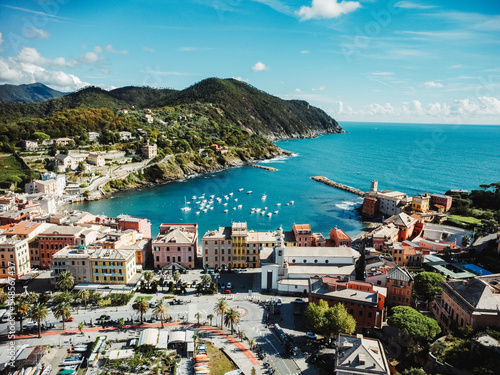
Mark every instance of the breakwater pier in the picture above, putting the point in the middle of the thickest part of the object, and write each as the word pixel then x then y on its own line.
pixel 263 167
pixel 337 185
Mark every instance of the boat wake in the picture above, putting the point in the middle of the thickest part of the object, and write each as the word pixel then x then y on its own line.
pixel 346 205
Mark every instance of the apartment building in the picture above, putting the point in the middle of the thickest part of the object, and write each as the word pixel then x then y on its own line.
pixel 176 243
pixel 14 257
pixel 113 266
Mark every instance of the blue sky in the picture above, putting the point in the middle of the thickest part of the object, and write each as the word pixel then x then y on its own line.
pixel 397 61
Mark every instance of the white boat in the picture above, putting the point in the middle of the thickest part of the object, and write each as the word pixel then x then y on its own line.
pixel 240 206
pixel 241 189
pixel 197 212
pixel 211 208
pixel 230 194
pixel 236 199
pixel 226 211
pixel 292 202
pixel 212 196
pixel 193 197
pixel 257 210
pixel 264 197
pixel 278 204
pixel 185 208
pixel 249 192
pixel 226 197
pixel 265 208
pixel 269 214
pixel 204 210
pixel 275 212
pixel 252 211
pixel 262 212
pixel 197 202
pixel 224 204
pixel 288 204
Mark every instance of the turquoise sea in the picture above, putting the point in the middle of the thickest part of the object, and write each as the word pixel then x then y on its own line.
pixel 412 158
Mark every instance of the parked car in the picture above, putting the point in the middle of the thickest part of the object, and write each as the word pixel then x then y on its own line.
pixel 69 319
pixel 229 285
pixel 177 301
pixel 311 335
pixel 152 304
pixel 299 300
pixel 227 291
pixel 223 286
pixel 105 317
pixel 211 271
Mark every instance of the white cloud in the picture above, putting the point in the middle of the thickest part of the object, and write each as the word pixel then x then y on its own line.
pixel 327 9
pixel 479 110
pixel 148 49
pixel 304 52
pixel 298 90
pixel 109 48
pixel 90 58
pixel 241 79
pixel 105 71
pixel 259 67
pixel 411 5
pixel 15 71
pixel 383 73
pixel 98 49
pixel 432 84
pixel 321 88
pixel 36 33
pixel 32 56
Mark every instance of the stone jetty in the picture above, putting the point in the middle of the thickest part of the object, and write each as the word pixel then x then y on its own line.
pixel 336 185
pixel 263 167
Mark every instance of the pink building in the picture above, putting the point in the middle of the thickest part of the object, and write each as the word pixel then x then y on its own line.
pixel 135 223
pixel 303 235
pixel 176 243
pixel 440 200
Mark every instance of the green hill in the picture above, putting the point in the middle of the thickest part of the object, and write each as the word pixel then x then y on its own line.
pixel 35 92
pixel 223 101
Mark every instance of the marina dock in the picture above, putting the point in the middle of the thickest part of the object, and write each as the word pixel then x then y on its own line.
pixel 337 185
pixel 263 167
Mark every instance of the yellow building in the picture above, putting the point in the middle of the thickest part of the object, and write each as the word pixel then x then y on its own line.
pixel 110 266
pixel 420 203
pixel 14 258
pixel 239 237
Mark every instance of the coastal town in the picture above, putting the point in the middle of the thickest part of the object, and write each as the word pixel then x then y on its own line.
pixel 107 289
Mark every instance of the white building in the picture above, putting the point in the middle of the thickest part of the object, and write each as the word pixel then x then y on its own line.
pixel 288 269
pixel 391 202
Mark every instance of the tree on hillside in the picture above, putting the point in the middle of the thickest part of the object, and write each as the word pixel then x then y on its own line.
pixel 40 136
pixel 427 285
pixel 329 320
pixel 412 323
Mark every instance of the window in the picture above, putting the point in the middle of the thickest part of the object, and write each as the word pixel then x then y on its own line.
pixel 326 261
pixel 206 259
pixel 189 259
pixel 157 258
pixel 206 251
pixel 178 249
pixel 178 259
pixel 293 260
pixel 315 261
pixel 370 314
pixel 215 251
pixel 360 312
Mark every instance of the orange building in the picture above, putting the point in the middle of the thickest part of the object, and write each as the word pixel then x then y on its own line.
pixel 54 239
pixel 404 223
pixel 360 298
pixel 399 286
pixel 339 238
pixel 136 223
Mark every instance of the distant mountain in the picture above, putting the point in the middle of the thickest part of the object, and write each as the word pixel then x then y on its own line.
pixel 35 92
pixel 243 105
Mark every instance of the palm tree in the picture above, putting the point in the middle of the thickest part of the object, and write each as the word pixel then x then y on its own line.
pixel 251 343
pixel 65 280
pixel 37 313
pixel 206 279
pixel 62 297
pixel 176 275
pixel 231 317
pixel 242 335
pixel 141 305
pixel 219 309
pixel 198 317
pixel 160 310
pixel 148 277
pixel 21 312
pixel 32 298
pixel 210 317
pixel 80 327
pixel 63 312
pixel 121 322
pixel 84 294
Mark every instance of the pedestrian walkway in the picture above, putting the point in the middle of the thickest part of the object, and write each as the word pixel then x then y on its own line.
pixel 239 354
